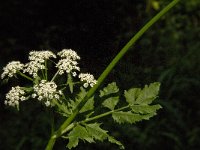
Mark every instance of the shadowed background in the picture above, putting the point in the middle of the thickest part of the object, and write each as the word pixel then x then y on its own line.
pixel 97 29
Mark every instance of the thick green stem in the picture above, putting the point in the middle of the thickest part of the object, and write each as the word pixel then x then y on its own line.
pixel 52 140
pixel 51 143
pixel 111 66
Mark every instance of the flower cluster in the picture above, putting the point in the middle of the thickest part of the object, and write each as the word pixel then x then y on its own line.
pixel 69 53
pixel 46 91
pixel 14 96
pixel 32 68
pixel 68 63
pixel 41 56
pixel 37 61
pixel 11 69
pixel 88 79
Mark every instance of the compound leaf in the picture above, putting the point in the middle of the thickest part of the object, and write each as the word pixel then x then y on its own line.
pixel 89 105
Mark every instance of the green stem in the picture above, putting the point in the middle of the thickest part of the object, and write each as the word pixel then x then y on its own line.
pixel 51 143
pixel 46 76
pixel 43 75
pixel 54 136
pixel 52 122
pixel 112 64
pixel 69 127
pixel 104 114
pixel 55 76
pixel 25 76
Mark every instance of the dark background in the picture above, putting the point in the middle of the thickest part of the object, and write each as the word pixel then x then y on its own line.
pixel 97 29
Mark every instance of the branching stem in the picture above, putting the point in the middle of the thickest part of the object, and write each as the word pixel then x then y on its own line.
pixel 25 76
pixel 104 114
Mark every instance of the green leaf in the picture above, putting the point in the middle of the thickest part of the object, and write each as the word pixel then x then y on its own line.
pixel 81 94
pixel 62 108
pixel 89 133
pixel 145 109
pixel 129 117
pixel 131 95
pixel 144 96
pixel 96 132
pixel 110 89
pixel 99 134
pixel 114 141
pixel 148 93
pixel 77 133
pixel 111 102
pixel 89 105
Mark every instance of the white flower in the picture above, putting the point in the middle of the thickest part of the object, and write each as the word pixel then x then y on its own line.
pixel 67 65
pixel 74 74
pixel 46 91
pixel 12 68
pixel 88 79
pixel 34 95
pixel 41 56
pixel 14 96
pixel 32 68
pixel 47 103
pixel 69 53
pixel 37 61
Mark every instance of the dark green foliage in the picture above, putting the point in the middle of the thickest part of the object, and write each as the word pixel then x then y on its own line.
pixel 111 102
pixel 122 117
pixel 77 133
pixel 137 108
pixel 110 89
pixel 144 96
pixel 89 133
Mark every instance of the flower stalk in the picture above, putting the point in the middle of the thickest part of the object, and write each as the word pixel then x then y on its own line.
pixel 25 76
